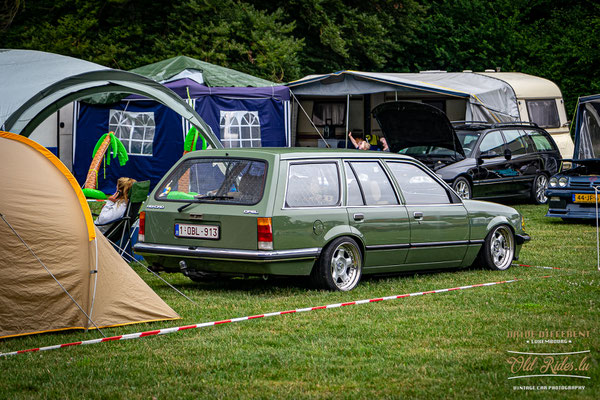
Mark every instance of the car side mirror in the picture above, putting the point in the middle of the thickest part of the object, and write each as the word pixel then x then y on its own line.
pixel 507 154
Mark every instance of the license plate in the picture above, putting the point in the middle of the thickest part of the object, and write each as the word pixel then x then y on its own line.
pixel 584 198
pixel 197 231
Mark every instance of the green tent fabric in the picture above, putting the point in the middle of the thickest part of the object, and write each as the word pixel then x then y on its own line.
pixel 213 75
pixel 164 71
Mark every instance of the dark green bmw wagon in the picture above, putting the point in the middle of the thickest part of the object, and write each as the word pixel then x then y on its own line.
pixel 329 214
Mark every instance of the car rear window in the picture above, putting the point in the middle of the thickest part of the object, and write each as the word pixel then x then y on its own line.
pixel 216 180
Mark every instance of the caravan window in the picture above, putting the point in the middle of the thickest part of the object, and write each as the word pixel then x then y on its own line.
pixel 543 112
pixel 240 129
pixel 329 113
pixel 134 129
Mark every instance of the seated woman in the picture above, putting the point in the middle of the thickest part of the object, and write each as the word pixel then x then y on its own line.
pixel 116 205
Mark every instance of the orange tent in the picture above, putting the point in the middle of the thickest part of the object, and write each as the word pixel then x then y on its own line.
pixel 57 271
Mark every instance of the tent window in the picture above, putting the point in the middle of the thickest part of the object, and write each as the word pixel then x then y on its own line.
pixel 240 129
pixel 329 114
pixel 543 112
pixel 134 129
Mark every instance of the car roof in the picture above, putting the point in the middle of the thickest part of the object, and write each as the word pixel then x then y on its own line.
pixel 286 153
pixel 482 125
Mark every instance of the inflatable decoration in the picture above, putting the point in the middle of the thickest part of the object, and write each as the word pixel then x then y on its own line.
pixel 107 145
pixel 190 144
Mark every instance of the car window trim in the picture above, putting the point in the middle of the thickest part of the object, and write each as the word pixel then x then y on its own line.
pixel 520 137
pixel 387 174
pixel 483 137
pixel 313 161
pixel 452 197
pixel 360 189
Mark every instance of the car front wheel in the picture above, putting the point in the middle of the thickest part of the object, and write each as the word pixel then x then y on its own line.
pixel 499 248
pixel 339 267
pixel 538 190
pixel 462 187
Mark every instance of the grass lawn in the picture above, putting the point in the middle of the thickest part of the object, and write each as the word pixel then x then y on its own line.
pixel 448 345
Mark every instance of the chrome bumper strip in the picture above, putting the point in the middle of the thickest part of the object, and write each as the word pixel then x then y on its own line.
pixel 211 252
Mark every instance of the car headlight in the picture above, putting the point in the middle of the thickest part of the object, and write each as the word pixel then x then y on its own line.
pixel 562 182
pixel 553 182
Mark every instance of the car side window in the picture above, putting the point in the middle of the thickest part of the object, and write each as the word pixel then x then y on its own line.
pixel 375 184
pixel 540 141
pixel 417 186
pixel 492 144
pixel 514 141
pixel 313 185
pixel 355 197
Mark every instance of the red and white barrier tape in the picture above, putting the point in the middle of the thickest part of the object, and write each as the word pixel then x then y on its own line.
pixel 535 266
pixel 207 324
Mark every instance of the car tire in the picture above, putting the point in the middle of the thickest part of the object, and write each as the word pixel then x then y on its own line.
pixel 498 248
pixel 462 187
pixel 538 189
pixel 339 267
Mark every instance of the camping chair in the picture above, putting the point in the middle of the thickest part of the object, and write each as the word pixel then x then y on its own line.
pixel 120 231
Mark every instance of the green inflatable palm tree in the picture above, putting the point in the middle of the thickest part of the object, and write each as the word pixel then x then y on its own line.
pixel 101 152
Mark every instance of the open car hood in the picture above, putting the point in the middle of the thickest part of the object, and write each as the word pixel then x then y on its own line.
pixel 408 123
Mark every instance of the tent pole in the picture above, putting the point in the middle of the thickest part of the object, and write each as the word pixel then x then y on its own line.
pixel 347 118
pixel 95 273
pixel 310 120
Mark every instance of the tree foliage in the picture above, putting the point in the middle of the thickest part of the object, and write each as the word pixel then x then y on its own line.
pixel 286 40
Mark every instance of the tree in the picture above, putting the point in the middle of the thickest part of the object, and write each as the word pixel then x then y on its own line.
pixel 129 33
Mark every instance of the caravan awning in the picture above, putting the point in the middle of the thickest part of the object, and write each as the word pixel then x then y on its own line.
pixel 485 95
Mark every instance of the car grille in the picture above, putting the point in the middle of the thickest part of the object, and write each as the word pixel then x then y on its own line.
pixel 584 184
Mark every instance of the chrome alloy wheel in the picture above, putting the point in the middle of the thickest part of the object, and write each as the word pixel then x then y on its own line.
pixel 541 184
pixel 346 266
pixel 502 247
pixel 463 189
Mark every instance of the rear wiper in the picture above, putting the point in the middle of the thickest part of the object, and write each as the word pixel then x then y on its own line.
pixel 200 197
pixel 211 197
pixel 183 207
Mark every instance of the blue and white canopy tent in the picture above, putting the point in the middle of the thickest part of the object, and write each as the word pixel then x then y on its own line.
pixel 242 110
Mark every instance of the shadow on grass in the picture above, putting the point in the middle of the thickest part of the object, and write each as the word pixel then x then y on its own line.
pixel 275 285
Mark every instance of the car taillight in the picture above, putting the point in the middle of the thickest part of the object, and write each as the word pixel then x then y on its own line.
pixel 264 229
pixel 142 230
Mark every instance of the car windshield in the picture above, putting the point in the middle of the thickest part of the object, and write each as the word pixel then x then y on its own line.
pixel 215 180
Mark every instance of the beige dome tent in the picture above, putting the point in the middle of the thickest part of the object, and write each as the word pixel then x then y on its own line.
pixel 57 271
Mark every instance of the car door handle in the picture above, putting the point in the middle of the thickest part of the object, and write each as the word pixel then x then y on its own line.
pixel 359 217
pixel 418 215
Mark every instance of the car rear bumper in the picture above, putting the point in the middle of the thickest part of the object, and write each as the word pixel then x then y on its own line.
pixel 226 254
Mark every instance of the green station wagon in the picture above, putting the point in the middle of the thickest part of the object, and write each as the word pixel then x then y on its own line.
pixel 332 215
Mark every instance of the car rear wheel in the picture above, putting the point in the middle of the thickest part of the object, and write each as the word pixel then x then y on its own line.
pixel 538 190
pixel 499 248
pixel 339 267
pixel 462 187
